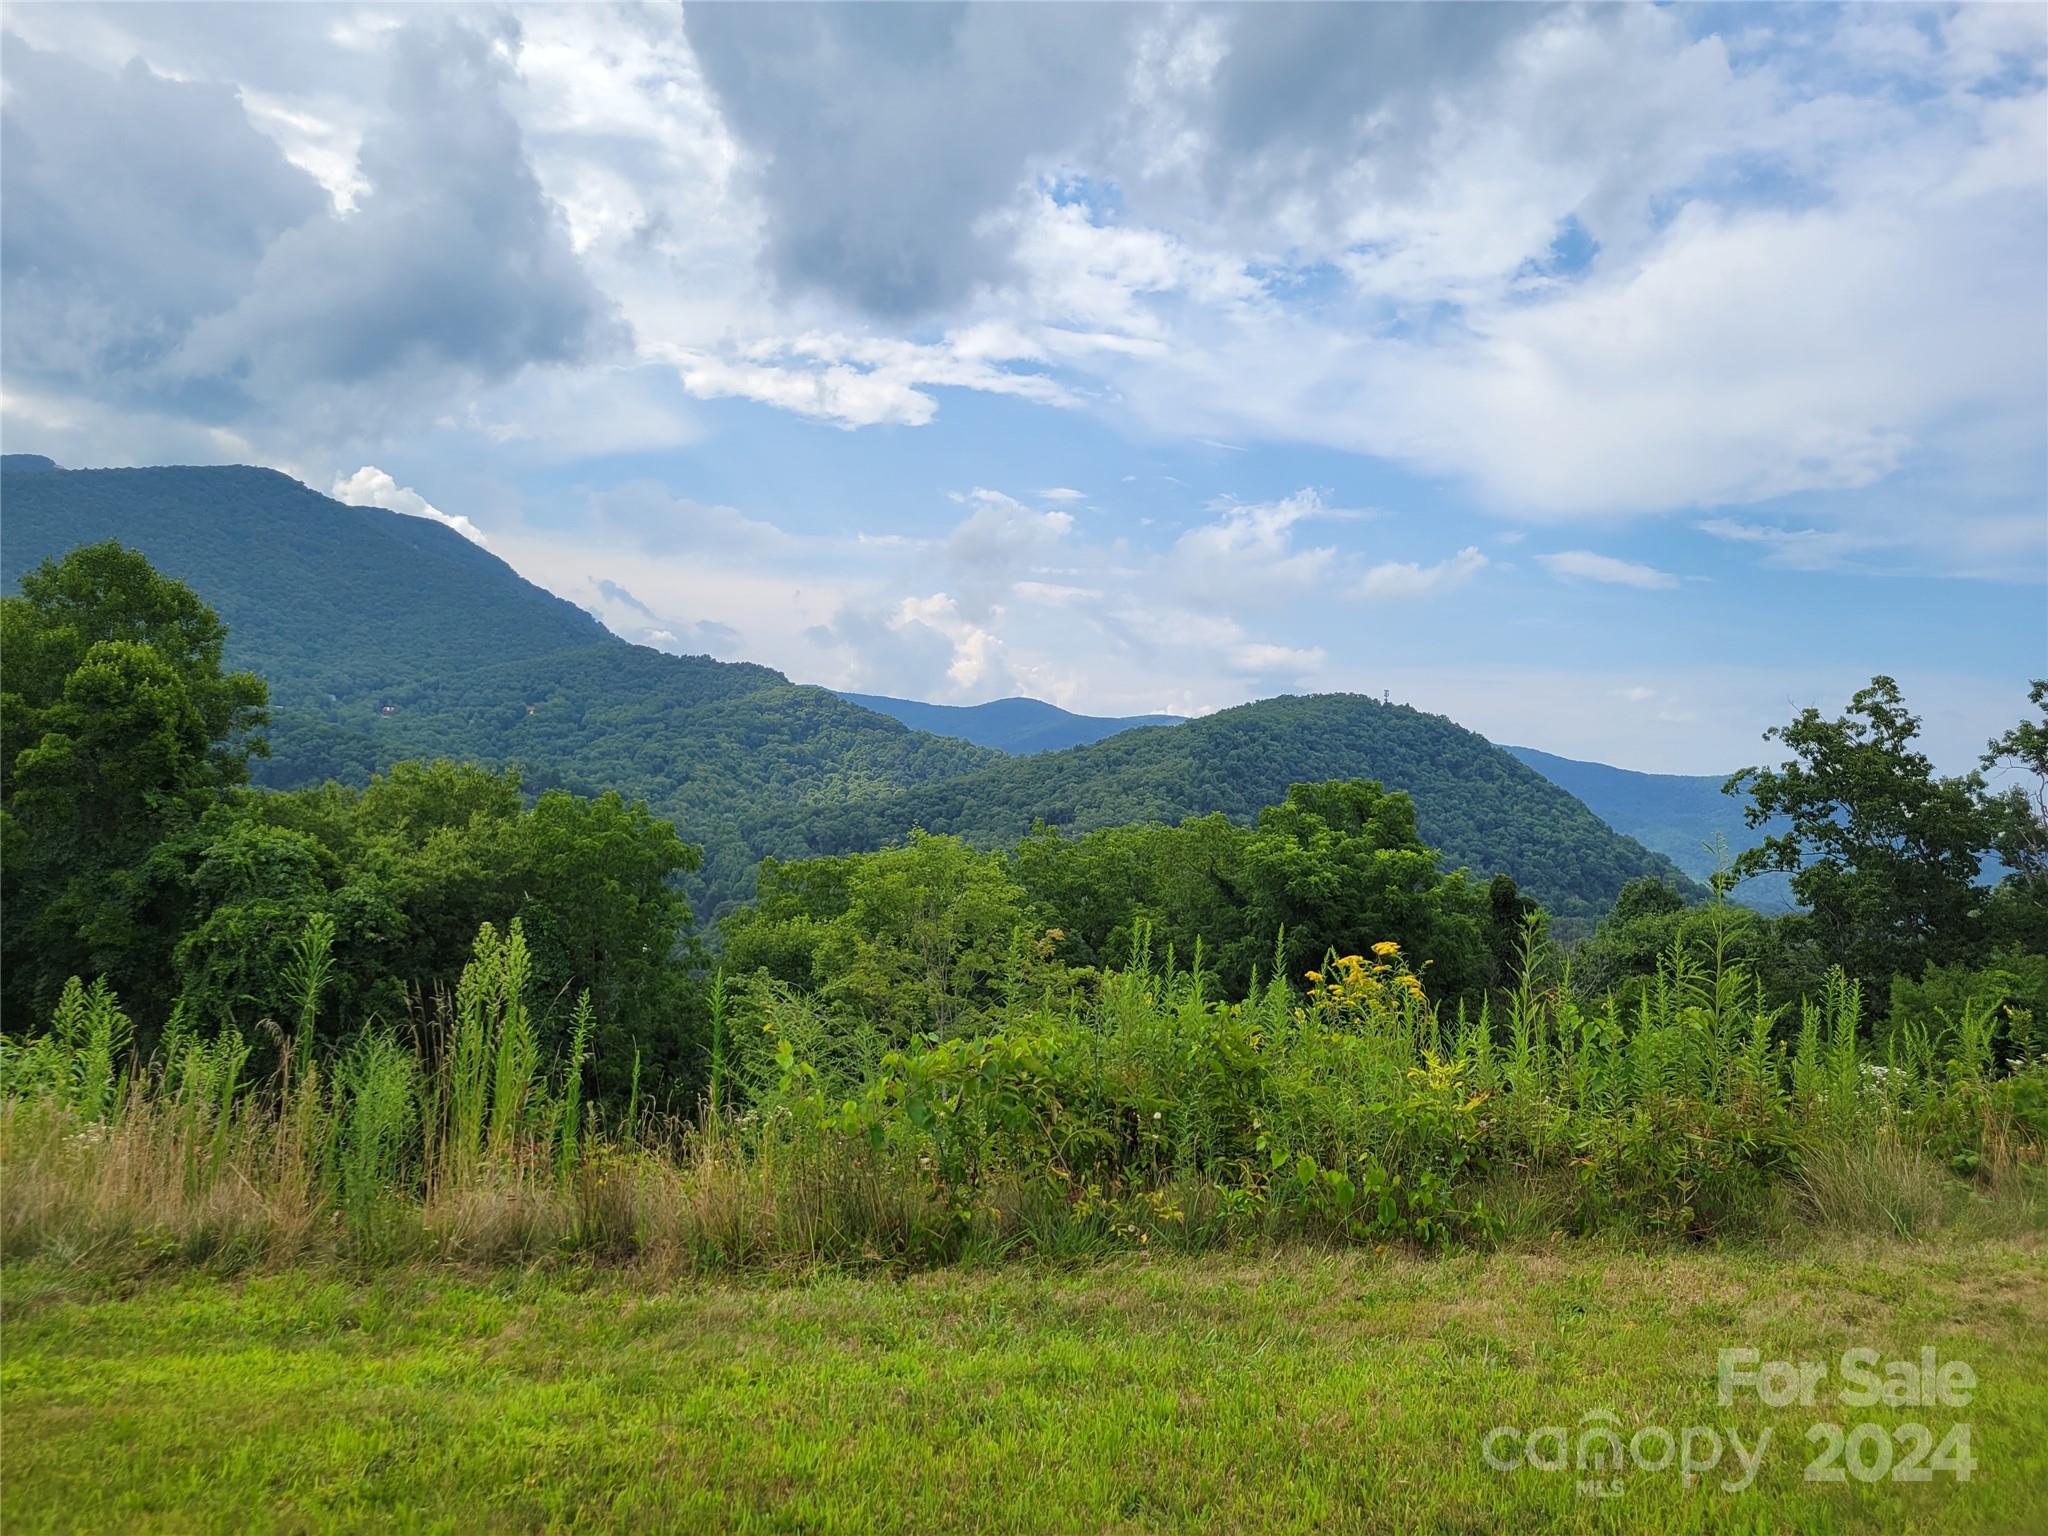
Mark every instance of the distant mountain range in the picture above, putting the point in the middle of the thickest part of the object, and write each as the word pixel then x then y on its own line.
pixel 385 637
pixel 1017 726
pixel 1678 815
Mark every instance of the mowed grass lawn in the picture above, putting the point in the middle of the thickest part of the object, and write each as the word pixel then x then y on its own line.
pixel 1298 1391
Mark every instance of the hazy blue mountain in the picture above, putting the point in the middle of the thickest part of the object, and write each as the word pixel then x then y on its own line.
pixel 1677 815
pixel 1016 726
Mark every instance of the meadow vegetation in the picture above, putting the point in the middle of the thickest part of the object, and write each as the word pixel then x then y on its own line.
pixel 1142 1112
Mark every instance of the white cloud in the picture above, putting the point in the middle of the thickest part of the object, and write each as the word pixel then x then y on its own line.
pixel 1260 656
pixel 866 381
pixel 1817 264
pixel 1183 660
pixel 1399 579
pixel 627 616
pixel 1585 565
pixel 1249 550
pixel 1704 719
pixel 1001 529
pixel 1798 549
pixel 846 397
pixel 1718 348
pixel 922 647
pixel 372 487
pixel 977 652
pixel 647 515
pixel 1055 594
pixel 325 149
pixel 1576 265
pixel 1000 542
pixel 564 414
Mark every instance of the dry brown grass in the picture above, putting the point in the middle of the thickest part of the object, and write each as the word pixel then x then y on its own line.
pixel 1876 1183
pixel 159 1184
pixel 156 1184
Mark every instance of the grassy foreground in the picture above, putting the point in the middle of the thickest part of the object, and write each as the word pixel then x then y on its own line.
pixel 1301 1390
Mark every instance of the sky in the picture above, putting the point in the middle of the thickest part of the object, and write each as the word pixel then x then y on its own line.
pixel 1614 380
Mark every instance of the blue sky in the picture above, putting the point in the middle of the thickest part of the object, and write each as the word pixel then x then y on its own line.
pixel 1614 380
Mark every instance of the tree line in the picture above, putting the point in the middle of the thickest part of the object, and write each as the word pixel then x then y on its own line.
pixel 133 848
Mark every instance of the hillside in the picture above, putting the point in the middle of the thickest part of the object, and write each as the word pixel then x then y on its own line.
pixel 1677 815
pixel 319 597
pixel 1019 727
pixel 385 637
pixel 1483 808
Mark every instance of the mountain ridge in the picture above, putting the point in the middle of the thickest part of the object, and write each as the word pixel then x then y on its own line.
pixel 1686 817
pixel 1677 815
pixel 1018 725
pixel 385 636
pixel 1509 818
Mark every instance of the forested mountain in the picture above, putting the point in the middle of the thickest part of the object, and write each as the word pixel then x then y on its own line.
pixel 387 637
pixel 320 598
pixel 1677 815
pixel 1016 726
pixel 1481 807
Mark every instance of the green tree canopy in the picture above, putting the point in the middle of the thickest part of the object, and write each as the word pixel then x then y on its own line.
pixel 2019 760
pixel 933 935
pixel 117 727
pixel 917 939
pixel 408 868
pixel 1652 920
pixel 1883 852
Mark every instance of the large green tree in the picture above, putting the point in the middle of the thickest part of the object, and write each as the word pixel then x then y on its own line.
pixel 1336 865
pixel 2018 765
pixel 1181 888
pixel 1884 853
pixel 118 726
pixel 1339 866
pixel 1652 919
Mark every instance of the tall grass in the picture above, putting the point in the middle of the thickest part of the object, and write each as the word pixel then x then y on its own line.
pixel 1145 1112
pixel 306 974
